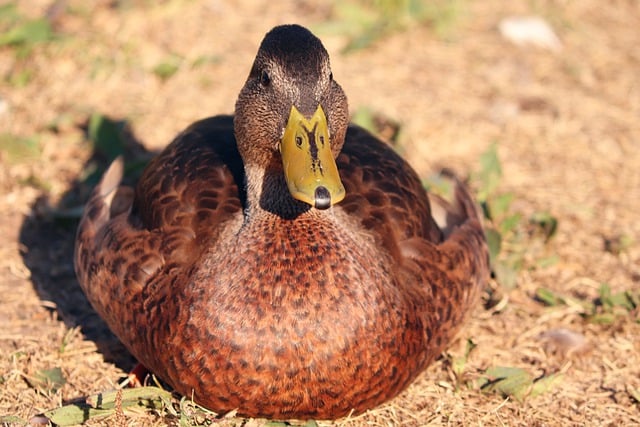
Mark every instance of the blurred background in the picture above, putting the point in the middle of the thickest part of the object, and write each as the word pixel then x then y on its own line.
pixel 536 103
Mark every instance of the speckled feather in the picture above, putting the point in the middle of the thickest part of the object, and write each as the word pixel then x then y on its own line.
pixel 279 312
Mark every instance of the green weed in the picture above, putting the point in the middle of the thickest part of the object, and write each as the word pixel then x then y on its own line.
pixel 47 381
pixel 507 233
pixel 167 68
pixel 458 364
pixel 365 22
pixel 22 35
pixel 19 32
pixel 17 149
pixel 516 382
pixel 184 411
pixel 103 405
pixel 107 136
pixel 607 309
pixel 378 124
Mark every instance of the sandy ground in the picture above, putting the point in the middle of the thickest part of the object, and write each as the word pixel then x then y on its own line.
pixel 567 128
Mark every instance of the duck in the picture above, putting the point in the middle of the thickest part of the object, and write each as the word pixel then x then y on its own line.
pixel 281 262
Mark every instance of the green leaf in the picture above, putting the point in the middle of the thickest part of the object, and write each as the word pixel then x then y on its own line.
pixel 12 419
pixel 618 244
pixel 548 297
pixel 30 32
pixel 20 78
pixel 442 15
pixel 603 319
pixel 8 12
pixel 104 404
pixel 510 223
pixel 634 298
pixel 506 274
pixel 130 396
pixel 458 363
pixel 548 261
pixel 204 60
pixel 490 173
pixel 365 22
pixel 605 295
pixel 622 299
pixel 356 15
pixel 494 241
pixel 106 135
pixel 545 223
pixel 168 68
pixel 377 124
pixel 47 380
pixel 19 149
pixel 76 413
pixel 364 118
pixel 544 384
pixel 507 381
pixel 499 206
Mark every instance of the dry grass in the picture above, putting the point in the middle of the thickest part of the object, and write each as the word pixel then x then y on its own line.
pixel 567 128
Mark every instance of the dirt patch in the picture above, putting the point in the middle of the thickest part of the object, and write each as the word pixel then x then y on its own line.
pixel 566 125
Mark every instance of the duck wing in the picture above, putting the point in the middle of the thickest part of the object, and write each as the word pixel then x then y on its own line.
pixel 133 245
pixel 438 246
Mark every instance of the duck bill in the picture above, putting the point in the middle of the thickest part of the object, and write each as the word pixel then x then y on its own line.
pixel 309 167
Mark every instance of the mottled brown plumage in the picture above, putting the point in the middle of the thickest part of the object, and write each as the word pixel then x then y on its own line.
pixel 235 293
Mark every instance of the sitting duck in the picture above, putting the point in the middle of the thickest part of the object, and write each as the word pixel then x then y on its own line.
pixel 281 262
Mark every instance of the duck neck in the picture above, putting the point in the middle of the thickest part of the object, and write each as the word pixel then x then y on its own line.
pixel 267 193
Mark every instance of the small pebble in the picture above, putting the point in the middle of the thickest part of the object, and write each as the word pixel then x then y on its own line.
pixel 529 31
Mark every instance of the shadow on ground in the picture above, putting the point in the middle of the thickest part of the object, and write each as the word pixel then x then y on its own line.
pixel 47 238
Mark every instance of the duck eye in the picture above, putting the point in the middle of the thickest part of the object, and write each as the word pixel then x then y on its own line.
pixel 264 78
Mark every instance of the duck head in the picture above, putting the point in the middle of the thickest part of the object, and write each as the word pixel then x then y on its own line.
pixel 291 116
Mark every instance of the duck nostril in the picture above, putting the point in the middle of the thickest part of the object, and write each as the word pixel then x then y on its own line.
pixel 322 198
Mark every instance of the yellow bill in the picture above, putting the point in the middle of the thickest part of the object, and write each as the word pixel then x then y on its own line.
pixel 309 167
